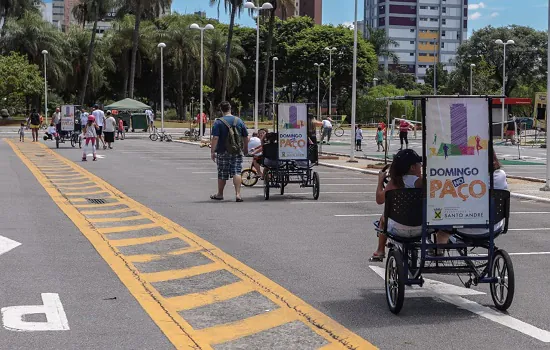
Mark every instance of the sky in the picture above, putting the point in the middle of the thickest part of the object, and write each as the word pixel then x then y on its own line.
pixel 533 13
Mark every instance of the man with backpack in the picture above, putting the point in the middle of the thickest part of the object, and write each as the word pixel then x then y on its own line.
pixel 229 142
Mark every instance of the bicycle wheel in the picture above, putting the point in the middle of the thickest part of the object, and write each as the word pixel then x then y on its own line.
pixel 249 177
pixel 266 185
pixel 316 185
pixel 339 131
pixel 154 137
pixel 168 138
pixel 395 281
pixel 73 142
pixel 502 291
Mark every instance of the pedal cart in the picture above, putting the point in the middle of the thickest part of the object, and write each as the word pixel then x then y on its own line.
pixel 289 152
pixel 458 200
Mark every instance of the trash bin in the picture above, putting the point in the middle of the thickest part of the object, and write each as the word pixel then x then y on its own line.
pixel 139 121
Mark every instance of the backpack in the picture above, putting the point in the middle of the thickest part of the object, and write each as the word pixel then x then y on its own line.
pixel 234 140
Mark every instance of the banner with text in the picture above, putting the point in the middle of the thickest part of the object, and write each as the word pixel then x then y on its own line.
pixel 67 118
pixel 293 139
pixel 457 139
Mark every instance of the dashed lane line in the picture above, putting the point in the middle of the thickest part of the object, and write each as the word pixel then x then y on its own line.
pixel 198 295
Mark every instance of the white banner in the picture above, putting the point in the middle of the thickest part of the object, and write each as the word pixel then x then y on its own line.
pixel 457 139
pixel 293 140
pixel 67 118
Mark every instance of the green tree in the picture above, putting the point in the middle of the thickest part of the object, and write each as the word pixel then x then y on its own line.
pixel 442 79
pixel 382 43
pixel 19 78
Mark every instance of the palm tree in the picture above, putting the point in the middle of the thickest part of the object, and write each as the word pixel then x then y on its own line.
pixel 233 6
pixel 80 13
pixel 98 8
pixel 381 44
pixel 287 6
pixel 140 8
pixel 14 8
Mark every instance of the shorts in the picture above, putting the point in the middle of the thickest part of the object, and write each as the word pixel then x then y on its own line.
pixel 229 165
pixel 99 131
pixel 109 136
pixel 510 132
pixel 35 126
pixel 358 142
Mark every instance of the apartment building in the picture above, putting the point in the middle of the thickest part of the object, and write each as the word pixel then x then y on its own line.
pixel 310 8
pixel 427 31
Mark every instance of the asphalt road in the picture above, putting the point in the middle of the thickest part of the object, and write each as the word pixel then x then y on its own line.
pixel 306 246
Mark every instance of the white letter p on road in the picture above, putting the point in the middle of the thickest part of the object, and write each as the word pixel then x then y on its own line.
pixel 12 316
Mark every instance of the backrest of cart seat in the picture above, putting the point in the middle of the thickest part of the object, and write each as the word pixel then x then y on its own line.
pixel 404 206
pixel 271 146
pixel 501 204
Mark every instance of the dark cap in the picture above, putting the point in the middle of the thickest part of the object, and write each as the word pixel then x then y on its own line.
pixel 405 159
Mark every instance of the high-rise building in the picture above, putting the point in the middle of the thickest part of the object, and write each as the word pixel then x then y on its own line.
pixel 58 13
pixel 427 31
pixel 310 8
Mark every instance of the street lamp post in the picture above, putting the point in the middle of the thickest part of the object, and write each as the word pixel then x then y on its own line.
pixel 202 29
pixel 274 59
pixel 374 81
pixel 330 49
pixel 471 78
pixel 500 42
pixel 45 53
pixel 162 46
pixel 266 6
pixel 354 87
pixel 547 186
pixel 318 65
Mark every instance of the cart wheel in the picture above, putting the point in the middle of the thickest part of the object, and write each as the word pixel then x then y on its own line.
pixel 339 132
pixel 73 142
pixel 266 185
pixel 316 185
pixel 154 137
pixel 282 189
pixel 502 291
pixel 248 177
pixel 168 138
pixel 395 281
pixel 387 178
pixel 415 263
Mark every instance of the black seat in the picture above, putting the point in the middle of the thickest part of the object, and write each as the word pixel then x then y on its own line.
pixel 404 206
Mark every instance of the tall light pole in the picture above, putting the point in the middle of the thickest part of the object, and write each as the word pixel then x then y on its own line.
pixel 330 49
pixel 161 46
pixel 318 65
pixel 45 53
pixel 435 68
pixel 500 42
pixel 374 81
pixel 266 6
pixel 354 87
pixel 472 78
pixel 202 29
pixel 274 59
pixel 547 186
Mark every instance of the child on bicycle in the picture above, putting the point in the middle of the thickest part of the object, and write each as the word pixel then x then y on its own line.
pixel 405 172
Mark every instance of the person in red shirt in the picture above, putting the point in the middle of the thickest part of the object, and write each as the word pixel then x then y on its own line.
pixel 404 128
pixel 204 121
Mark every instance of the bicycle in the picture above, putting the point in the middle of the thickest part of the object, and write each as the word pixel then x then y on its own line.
pixel 155 135
pixel 193 134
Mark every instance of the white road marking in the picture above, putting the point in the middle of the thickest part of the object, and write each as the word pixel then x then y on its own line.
pixel 317 202
pixel 356 215
pixel 530 212
pixel 204 172
pixel 324 184
pixel 452 295
pixel 531 253
pixel 13 316
pixel 7 244
pixel 309 193
pixel 100 156
pixel 530 229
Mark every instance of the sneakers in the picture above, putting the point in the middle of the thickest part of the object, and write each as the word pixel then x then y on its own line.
pixel 84 159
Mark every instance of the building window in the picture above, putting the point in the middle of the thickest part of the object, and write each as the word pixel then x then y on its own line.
pixel 423 19
pixel 423 7
pixel 442 33
pixel 443 21
pixel 444 10
pixel 412 30
pixel 411 53
pixel 433 7
pixel 422 54
pixel 411 42
pixel 442 45
pixel 422 66
pixel 433 19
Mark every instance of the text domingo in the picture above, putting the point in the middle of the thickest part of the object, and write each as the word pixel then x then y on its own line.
pixel 456 188
pixel 292 140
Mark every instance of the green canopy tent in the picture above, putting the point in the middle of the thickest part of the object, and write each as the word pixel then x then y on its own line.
pixel 137 120
pixel 128 105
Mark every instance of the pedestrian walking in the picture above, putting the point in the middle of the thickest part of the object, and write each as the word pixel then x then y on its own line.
pixel 380 139
pixel 510 130
pixel 110 127
pixel 327 130
pixel 358 138
pixel 204 121
pixel 35 124
pixel 404 128
pixel 90 135
pixel 100 122
pixel 229 141
pixel 150 120
pixel 120 130
pixel 22 133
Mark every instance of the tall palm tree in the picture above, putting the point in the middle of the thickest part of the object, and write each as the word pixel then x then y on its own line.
pixel 286 6
pixel 140 8
pixel 14 8
pixel 381 44
pixel 233 6
pixel 80 13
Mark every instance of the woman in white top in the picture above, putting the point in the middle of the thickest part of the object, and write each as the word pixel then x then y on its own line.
pixel 405 172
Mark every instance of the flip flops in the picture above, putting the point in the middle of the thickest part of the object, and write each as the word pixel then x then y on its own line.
pixel 216 198
pixel 377 258
pixel 238 200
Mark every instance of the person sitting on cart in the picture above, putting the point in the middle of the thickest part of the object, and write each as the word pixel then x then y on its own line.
pixel 405 172
pixel 255 148
pixel 51 132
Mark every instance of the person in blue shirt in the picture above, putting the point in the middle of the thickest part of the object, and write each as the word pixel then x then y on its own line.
pixel 229 165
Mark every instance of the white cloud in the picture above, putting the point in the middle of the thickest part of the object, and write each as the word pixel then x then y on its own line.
pixel 348 25
pixel 475 15
pixel 494 14
pixel 481 5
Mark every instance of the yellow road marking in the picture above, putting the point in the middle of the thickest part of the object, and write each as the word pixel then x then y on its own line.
pixel 72 185
pixel 153 257
pixel 176 274
pixel 83 193
pixel 165 314
pixel 127 218
pixel 191 301
pixel 103 212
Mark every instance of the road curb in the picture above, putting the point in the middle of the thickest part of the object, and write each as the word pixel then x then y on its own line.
pixel 526 178
pixel 512 194
pixel 347 155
